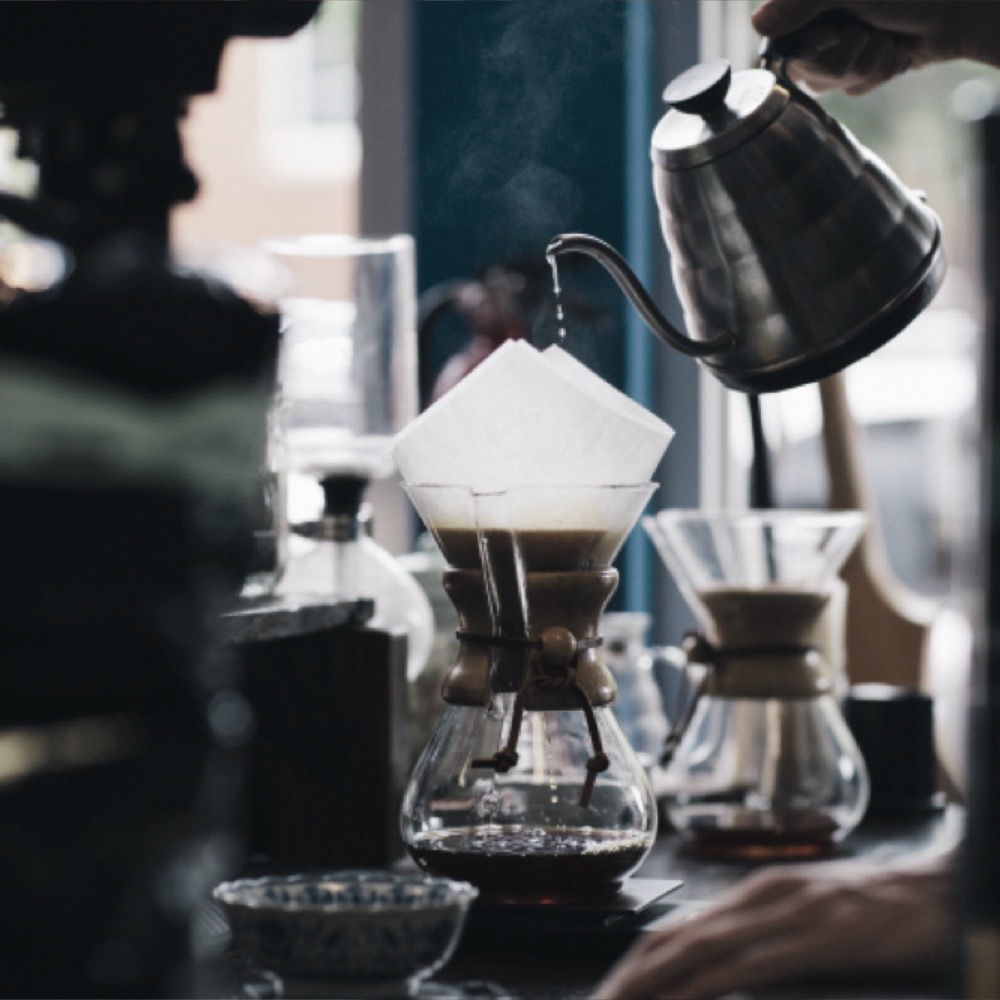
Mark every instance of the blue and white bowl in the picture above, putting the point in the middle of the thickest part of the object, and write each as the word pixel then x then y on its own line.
pixel 352 928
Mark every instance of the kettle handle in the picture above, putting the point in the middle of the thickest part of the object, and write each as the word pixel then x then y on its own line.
pixel 626 280
pixel 780 50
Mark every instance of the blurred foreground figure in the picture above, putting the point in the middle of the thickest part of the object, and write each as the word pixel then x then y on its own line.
pixel 133 400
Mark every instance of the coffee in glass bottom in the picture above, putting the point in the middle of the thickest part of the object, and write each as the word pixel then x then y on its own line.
pixel 532 864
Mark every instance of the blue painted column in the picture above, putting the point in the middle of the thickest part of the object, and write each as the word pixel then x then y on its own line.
pixel 640 215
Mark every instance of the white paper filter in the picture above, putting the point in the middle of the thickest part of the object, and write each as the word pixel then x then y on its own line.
pixel 531 418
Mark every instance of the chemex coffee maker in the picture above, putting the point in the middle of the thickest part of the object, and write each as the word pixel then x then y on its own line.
pixel 528 788
pixel 761 764
pixel 795 251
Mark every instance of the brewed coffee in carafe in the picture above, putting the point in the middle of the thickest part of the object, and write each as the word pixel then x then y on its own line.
pixel 528 788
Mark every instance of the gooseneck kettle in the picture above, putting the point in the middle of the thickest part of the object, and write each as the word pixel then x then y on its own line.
pixel 795 250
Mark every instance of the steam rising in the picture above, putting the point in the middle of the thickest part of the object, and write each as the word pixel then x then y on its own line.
pixel 508 160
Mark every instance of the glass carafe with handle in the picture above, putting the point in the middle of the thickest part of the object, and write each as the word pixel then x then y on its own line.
pixel 763 766
pixel 528 788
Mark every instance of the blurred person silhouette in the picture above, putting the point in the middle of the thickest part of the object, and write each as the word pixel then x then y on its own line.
pixel 837 917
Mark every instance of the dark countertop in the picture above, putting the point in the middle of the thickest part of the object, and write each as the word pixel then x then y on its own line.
pixel 279 617
pixel 879 840
pixel 566 963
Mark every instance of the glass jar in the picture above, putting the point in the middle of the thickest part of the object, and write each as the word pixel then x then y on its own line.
pixel 269 517
pixel 766 778
pixel 639 706
pixel 348 366
pixel 341 561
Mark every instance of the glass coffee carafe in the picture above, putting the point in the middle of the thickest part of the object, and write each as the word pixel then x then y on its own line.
pixel 528 788
pixel 763 764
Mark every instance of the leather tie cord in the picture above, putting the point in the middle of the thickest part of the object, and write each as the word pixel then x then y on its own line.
pixel 553 669
pixel 698 650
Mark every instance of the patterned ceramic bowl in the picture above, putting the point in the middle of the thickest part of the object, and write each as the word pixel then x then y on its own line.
pixel 353 928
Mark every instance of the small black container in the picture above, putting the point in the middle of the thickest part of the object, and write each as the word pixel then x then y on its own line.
pixel 894 729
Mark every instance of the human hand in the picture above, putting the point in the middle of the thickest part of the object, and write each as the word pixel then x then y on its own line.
pixel 787 922
pixel 887 38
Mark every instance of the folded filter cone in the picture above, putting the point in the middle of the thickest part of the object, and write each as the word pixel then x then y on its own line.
pixel 531 418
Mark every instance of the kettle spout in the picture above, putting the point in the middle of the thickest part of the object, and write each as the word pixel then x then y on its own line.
pixel 626 280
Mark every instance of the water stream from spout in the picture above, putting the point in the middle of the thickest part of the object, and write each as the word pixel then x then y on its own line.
pixel 560 315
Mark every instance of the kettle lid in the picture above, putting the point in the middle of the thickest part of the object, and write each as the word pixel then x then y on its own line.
pixel 714 111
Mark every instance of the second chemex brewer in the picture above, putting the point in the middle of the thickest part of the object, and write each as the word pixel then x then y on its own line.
pixel 761 765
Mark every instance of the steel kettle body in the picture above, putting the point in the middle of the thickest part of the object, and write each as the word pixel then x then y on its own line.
pixel 794 250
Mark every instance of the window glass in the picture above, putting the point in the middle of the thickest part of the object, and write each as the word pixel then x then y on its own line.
pixel 336 88
pixel 916 398
pixel 276 147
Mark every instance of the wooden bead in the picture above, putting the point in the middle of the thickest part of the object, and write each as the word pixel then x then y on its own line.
pixel 558 646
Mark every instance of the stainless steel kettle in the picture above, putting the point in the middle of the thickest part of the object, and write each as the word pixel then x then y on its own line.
pixel 795 251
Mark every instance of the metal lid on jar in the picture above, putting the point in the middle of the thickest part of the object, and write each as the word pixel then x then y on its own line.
pixel 714 112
